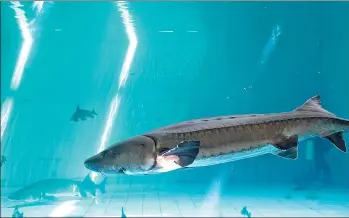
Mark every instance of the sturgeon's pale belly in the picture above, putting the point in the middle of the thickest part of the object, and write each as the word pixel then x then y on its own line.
pixel 225 158
pixel 219 159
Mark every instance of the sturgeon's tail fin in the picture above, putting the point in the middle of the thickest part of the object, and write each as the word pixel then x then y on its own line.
pixel 101 186
pixel 87 186
pixel 314 105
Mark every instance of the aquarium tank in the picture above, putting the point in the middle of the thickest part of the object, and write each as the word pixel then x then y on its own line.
pixel 178 109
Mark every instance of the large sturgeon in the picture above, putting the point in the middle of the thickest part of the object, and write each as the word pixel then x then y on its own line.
pixel 218 140
pixel 54 189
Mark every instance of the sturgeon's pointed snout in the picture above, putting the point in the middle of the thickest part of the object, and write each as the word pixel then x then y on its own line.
pixel 94 163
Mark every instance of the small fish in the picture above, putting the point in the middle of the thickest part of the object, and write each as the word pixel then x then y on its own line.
pixel 82 114
pixel 217 140
pixel 245 212
pixel 3 160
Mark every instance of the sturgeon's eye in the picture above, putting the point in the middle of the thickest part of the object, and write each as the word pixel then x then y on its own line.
pixel 103 154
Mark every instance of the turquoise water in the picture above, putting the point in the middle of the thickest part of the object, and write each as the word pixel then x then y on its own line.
pixel 146 65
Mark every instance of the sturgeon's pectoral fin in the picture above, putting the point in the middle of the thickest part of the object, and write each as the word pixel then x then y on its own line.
pixel 286 143
pixel 185 152
pixel 337 140
pixel 291 153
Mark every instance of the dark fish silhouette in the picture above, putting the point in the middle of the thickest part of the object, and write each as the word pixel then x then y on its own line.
pixel 82 114
pixel 52 189
pixel 3 160
pixel 245 212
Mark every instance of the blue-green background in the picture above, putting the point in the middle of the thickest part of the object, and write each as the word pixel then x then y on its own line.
pixel 173 77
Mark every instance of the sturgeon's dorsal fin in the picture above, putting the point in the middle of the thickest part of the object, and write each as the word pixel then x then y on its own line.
pixel 313 104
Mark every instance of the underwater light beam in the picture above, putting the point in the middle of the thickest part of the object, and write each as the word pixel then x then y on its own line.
pixel 38 5
pixel 213 197
pixel 26 45
pixel 131 35
pixel 114 106
pixel 211 201
pixel 63 209
pixel 23 24
pixel 270 46
pixel 6 110
pixel 131 50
